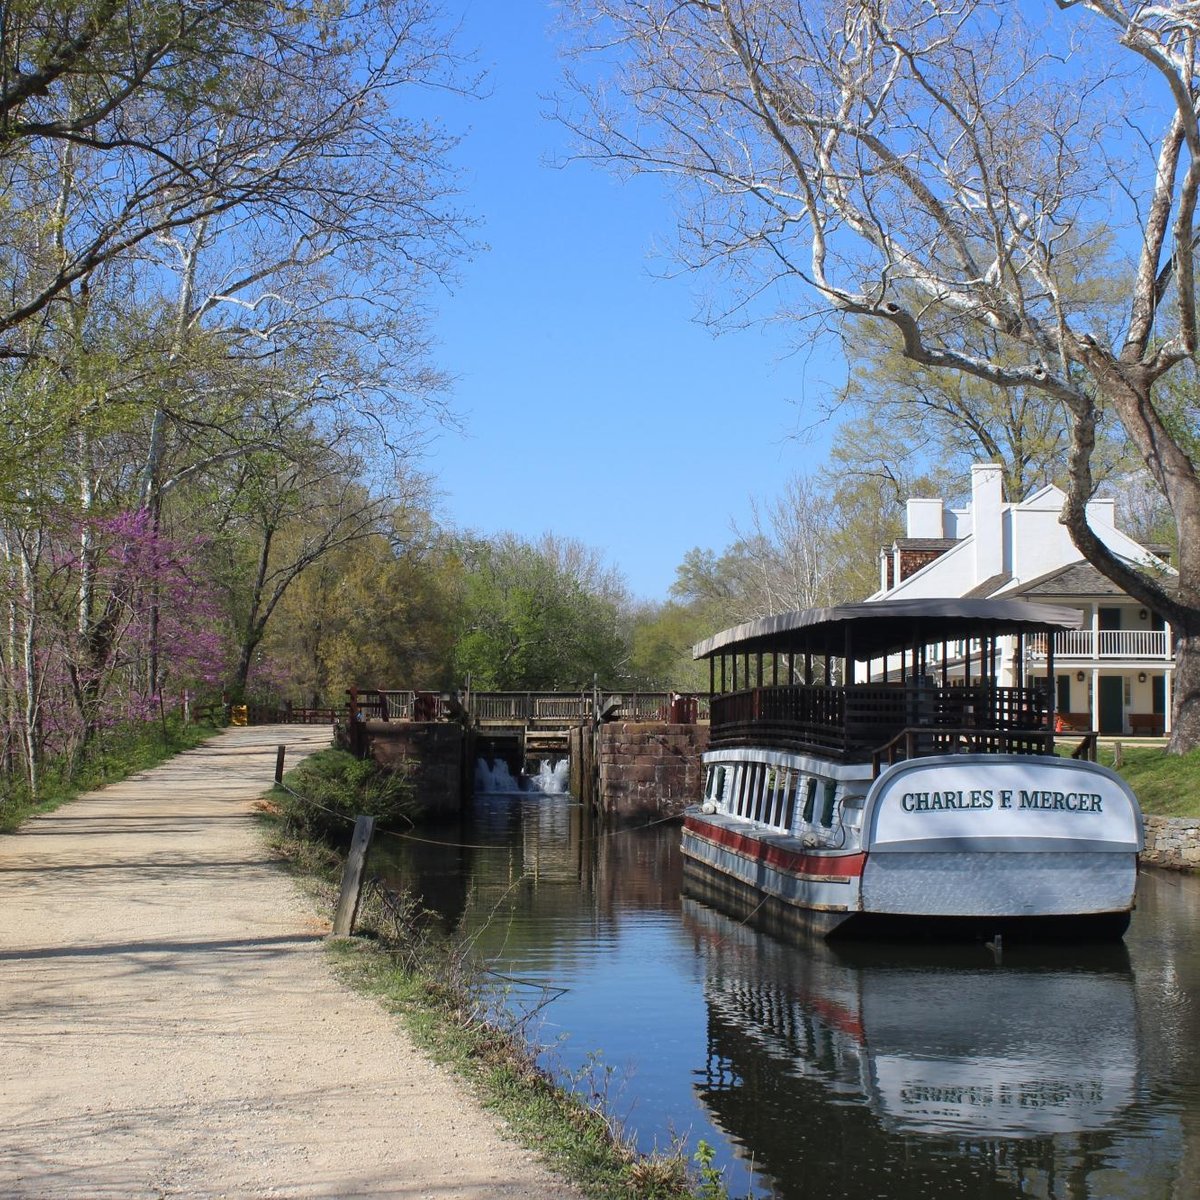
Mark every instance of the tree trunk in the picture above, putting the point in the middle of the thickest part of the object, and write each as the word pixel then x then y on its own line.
pixel 250 641
pixel 255 623
pixel 12 719
pixel 1185 706
pixel 32 713
pixel 1128 391
pixel 1185 624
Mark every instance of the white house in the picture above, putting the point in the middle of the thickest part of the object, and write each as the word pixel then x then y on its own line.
pixel 1114 674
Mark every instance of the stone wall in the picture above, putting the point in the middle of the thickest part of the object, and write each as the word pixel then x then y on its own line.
pixel 436 753
pixel 648 770
pixel 1172 842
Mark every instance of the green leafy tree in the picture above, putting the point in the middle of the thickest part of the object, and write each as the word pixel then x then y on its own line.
pixel 544 615
pixel 379 613
pixel 662 638
pixel 196 322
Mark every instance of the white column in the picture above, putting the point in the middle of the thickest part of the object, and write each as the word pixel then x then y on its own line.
pixel 1167 702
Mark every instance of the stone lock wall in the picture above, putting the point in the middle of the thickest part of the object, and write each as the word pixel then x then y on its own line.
pixel 648 770
pixel 438 755
pixel 1172 842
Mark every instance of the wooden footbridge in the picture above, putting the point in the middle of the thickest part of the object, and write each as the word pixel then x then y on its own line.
pixel 540 720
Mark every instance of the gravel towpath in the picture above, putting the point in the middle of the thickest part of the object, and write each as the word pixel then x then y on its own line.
pixel 169 1025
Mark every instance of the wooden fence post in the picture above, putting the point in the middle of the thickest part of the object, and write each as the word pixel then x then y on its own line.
pixel 354 728
pixel 279 753
pixel 352 877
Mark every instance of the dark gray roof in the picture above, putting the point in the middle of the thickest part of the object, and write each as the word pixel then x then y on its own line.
pixel 907 543
pixel 870 630
pixel 989 587
pixel 1080 579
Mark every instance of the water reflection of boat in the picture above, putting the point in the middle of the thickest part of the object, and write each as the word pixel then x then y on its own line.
pixel 878 1044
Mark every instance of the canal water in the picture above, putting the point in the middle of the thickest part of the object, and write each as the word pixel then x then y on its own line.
pixel 818 1071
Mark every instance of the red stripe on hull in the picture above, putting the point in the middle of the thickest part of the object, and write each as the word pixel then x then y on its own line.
pixel 795 862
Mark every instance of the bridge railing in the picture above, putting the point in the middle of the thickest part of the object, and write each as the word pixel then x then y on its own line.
pixel 403 704
pixel 500 706
pixel 552 708
pixel 396 706
pixel 572 709
pixel 655 706
pixel 289 714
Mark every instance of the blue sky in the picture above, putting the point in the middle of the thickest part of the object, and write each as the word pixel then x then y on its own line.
pixel 593 404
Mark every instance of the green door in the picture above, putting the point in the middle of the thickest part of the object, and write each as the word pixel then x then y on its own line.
pixel 1112 697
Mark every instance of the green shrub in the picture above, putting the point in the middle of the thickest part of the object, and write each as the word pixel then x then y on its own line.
pixel 114 754
pixel 322 796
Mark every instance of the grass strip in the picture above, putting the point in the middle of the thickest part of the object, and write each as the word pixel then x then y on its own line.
pixel 1166 785
pixel 114 755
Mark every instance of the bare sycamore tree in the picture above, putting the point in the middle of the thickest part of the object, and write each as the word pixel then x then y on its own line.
pixel 292 517
pixel 787 554
pixel 171 112
pixel 930 167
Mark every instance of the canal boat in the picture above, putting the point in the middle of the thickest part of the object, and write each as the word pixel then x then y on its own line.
pixel 888 768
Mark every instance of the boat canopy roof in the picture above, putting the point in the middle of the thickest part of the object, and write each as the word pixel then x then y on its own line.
pixel 871 630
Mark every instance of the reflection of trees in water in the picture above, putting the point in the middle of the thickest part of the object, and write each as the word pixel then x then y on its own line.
pixel 910 1079
pixel 542 859
pixel 437 868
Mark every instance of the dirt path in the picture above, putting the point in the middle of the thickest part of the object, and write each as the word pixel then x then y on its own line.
pixel 169 1027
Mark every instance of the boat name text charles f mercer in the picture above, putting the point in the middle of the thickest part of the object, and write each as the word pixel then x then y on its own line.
pixel 1001 798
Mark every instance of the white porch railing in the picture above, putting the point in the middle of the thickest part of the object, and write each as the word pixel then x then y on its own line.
pixel 1107 643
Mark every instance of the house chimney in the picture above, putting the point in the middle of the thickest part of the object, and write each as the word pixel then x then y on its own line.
pixel 923 519
pixel 987 519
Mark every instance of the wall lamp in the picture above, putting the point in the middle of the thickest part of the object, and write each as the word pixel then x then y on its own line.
pixel 1080 676
pixel 1141 677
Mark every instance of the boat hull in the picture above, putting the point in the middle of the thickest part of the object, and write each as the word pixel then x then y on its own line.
pixel 744 884
pixel 964 846
pixel 793 887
